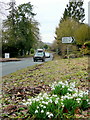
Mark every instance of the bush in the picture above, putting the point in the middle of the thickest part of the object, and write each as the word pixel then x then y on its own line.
pixel 32 51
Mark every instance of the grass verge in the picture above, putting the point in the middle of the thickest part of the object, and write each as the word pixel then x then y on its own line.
pixel 28 82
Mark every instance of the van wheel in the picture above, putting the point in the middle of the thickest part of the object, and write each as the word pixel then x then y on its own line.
pixel 34 60
pixel 43 60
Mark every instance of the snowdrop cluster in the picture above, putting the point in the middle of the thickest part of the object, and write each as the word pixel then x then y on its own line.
pixel 45 105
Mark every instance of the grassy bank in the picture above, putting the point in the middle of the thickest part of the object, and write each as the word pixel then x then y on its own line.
pixel 28 82
pixel 56 70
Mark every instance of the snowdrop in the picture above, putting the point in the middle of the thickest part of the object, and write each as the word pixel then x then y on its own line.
pixel 50 101
pixel 66 83
pixel 56 101
pixel 37 107
pixel 50 115
pixel 69 89
pixel 44 107
pixel 23 100
pixel 54 96
pixel 37 100
pixel 42 111
pixel 75 95
pixel 78 100
pixel 47 113
pixel 88 103
pixel 36 111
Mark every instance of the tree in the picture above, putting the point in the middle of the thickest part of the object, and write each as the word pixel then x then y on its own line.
pixel 27 27
pixel 71 28
pixel 20 29
pixel 66 29
pixel 82 34
pixel 74 10
pixel 9 31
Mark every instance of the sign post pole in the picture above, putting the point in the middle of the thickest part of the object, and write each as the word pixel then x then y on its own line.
pixel 67 51
pixel 68 40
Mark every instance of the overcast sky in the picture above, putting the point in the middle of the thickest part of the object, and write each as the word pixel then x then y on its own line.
pixel 49 13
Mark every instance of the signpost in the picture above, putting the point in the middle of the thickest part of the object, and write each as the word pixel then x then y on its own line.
pixel 68 40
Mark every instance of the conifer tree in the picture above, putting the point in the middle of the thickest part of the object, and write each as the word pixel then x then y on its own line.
pixel 74 10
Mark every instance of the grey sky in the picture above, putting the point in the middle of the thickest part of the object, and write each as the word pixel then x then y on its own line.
pixel 49 13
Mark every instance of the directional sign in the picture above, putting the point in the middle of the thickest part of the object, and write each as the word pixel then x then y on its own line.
pixel 68 39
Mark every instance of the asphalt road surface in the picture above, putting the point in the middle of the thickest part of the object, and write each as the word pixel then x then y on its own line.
pixel 10 67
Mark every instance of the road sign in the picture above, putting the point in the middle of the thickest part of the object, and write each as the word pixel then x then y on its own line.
pixel 68 39
pixel 7 55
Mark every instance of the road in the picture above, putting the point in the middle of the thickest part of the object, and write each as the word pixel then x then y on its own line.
pixel 10 67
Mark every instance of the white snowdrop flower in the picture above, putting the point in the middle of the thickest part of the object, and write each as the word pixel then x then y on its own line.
pixel 43 102
pixel 62 99
pixel 56 101
pixel 78 99
pixel 87 100
pixel 70 89
pixel 24 104
pixel 40 94
pixel 57 98
pixel 63 105
pixel 36 111
pixel 47 98
pixel 55 82
pixel 47 113
pixel 30 103
pixel 29 100
pixel 50 101
pixel 37 100
pixel 50 115
pixel 44 106
pixel 80 95
pixel 54 95
pixel 45 94
pixel 76 90
pixel 27 103
pixel 61 83
pixel 62 86
pixel 66 83
pixel 53 88
pixel 42 111
pixel 41 105
pixel 74 95
pixel 88 103
pixel 37 107
pixel 46 103
pixel 86 92
pixel 41 98
pixel 23 100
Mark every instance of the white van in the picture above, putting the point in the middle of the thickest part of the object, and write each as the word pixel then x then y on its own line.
pixel 40 50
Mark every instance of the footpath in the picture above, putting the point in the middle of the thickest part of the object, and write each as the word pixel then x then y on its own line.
pixel 8 59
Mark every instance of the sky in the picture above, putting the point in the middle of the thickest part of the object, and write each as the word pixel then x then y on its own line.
pixel 49 13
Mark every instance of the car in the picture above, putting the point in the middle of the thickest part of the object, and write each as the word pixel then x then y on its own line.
pixel 40 50
pixel 39 56
pixel 47 55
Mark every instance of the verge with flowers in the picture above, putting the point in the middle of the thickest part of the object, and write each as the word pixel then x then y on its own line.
pixel 62 102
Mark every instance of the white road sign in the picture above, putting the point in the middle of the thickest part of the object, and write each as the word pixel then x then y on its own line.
pixel 68 39
pixel 7 55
